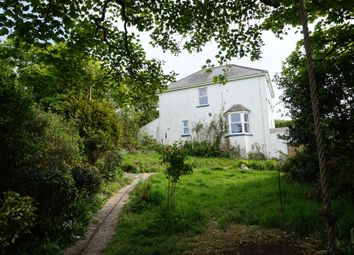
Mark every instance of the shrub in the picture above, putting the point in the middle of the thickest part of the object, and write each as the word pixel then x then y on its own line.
pixel 87 178
pixel 302 166
pixel 256 154
pixel 130 168
pixel 57 142
pixel 45 174
pixel 109 165
pixel 149 144
pixel 175 156
pixel 99 125
pixel 341 175
pixel 144 196
pixel 17 217
pixel 54 191
pixel 201 148
pixel 227 150
pixel 15 112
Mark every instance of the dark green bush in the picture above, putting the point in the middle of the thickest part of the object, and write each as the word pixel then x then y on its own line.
pixel 45 174
pixel 17 218
pixel 54 191
pixel 15 112
pixel 302 166
pixel 130 168
pixel 56 143
pixel 87 178
pixel 99 125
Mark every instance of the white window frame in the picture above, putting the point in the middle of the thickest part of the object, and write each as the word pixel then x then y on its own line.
pixel 243 122
pixel 185 127
pixel 203 96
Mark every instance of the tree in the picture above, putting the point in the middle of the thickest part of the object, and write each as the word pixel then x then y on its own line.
pixel 333 54
pixel 98 123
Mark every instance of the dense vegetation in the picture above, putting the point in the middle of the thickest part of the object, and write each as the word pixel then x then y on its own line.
pixel 52 167
pixel 333 50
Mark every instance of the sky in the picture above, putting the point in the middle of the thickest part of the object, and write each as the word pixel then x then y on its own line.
pixel 274 52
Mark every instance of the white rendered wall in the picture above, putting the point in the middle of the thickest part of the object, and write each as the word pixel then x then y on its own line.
pixel 278 145
pixel 151 129
pixel 252 92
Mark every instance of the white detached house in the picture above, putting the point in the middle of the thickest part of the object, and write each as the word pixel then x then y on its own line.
pixel 245 102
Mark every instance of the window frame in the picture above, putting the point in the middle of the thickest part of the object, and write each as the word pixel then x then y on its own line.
pixel 203 96
pixel 183 133
pixel 242 122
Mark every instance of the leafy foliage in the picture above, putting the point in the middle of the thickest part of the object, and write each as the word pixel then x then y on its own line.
pixel 17 218
pixel 99 125
pixel 283 123
pixel 109 165
pixel 175 157
pixel 334 53
pixel 302 166
pixel 87 179
pixel 201 148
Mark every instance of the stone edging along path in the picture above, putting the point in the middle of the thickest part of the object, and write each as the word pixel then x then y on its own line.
pixel 102 226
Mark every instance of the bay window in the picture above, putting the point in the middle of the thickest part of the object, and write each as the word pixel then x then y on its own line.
pixel 238 123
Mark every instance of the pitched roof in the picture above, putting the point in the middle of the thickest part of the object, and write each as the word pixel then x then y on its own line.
pixel 237 108
pixel 201 77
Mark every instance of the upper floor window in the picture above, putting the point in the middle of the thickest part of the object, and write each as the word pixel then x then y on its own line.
pixel 238 123
pixel 185 128
pixel 203 96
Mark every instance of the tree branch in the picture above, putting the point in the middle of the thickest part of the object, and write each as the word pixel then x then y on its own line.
pixel 273 3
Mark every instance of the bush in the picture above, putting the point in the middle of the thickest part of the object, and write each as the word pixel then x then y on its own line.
pixel 144 196
pixel 57 143
pixel 227 150
pixel 149 144
pixel 302 166
pixel 201 148
pixel 45 174
pixel 17 217
pixel 99 125
pixel 256 154
pixel 87 178
pixel 130 168
pixel 341 175
pixel 109 165
pixel 15 112
pixel 175 157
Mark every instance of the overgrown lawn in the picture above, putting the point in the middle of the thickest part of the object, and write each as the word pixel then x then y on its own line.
pixel 217 194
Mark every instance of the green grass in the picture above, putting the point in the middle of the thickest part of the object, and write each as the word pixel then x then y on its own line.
pixel 142 163
pixel 216 194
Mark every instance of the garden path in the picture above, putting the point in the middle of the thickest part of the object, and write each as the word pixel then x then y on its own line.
pixel 102 226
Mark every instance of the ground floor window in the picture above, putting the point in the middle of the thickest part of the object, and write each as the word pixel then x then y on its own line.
pixel 185 128
pixel 238 123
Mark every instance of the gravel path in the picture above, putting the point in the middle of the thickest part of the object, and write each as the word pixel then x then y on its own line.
pixel 102 226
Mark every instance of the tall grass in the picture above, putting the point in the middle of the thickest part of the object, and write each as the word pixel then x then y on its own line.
pixel 218 194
